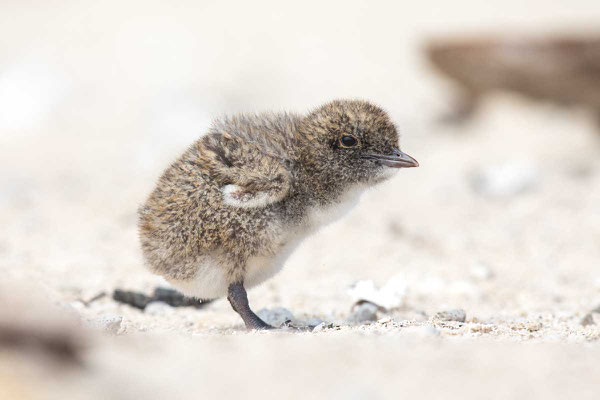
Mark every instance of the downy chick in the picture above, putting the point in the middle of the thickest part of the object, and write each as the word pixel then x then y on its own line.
pixel 226 214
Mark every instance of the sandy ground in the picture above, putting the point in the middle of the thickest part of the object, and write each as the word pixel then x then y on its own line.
pixel 502 219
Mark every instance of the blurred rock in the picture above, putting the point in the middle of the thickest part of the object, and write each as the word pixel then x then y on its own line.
pixel 276 316
pixel 504 180
pixel 35 330
pixel 363 312
pixel 390 296
pixel 458 315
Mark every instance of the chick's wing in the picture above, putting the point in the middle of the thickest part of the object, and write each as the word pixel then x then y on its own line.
pixel 249 173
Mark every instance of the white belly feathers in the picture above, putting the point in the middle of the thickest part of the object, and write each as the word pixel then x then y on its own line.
pixel 210 281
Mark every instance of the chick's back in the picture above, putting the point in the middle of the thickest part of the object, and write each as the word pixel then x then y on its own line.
pixel 186 218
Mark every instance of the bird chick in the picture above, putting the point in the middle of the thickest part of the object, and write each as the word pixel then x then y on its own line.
pixel 226 214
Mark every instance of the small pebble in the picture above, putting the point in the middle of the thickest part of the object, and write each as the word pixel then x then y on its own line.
pixel 276 316
pixel 158 308
pixel 314 321
pixel 531 326
pixel 364 312
pixel 588 320
pixel 481 328
pixel 389 297
pixel 458 315
pixel 324 325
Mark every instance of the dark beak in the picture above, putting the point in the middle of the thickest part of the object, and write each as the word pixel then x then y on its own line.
pixel 397 159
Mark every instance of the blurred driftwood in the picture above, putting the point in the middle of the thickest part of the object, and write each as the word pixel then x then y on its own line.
pixel 562 70
pixel 165 295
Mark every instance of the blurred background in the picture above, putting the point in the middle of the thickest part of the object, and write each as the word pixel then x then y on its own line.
pixel 502 219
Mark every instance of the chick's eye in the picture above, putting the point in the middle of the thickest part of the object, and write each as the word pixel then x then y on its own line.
pixel 348 141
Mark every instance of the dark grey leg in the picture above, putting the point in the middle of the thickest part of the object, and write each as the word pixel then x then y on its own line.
pixel 236 294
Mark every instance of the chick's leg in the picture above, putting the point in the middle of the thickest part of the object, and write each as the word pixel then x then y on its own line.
pixel 236 294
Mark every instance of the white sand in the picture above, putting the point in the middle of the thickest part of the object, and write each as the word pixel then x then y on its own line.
pixel 96 99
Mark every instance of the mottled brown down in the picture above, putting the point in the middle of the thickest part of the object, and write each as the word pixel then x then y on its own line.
pixel 289 164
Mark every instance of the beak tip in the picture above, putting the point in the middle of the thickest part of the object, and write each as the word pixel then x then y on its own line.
pixel 396 160
pixel 411 162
